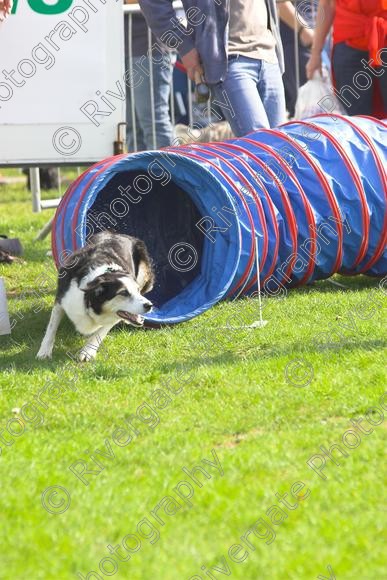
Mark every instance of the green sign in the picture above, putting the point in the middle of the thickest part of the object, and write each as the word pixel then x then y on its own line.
pixel 41 7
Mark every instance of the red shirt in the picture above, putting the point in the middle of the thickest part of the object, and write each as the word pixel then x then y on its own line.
pixel 362 24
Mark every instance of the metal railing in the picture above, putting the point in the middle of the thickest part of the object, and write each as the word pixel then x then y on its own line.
pixel 129 10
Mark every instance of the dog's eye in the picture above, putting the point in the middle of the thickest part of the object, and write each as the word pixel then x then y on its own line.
pixel 124 293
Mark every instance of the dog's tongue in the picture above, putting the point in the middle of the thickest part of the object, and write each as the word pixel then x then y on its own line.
pixel 135 319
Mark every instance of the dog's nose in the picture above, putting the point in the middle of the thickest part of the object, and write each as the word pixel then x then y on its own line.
pixel 148 306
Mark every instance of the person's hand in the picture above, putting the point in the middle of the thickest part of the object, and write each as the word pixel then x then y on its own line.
pixel 5 9
pixel 193 66
pixel 313 64
pixel 306 37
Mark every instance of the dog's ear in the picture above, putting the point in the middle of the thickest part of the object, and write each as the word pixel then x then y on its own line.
pixel 143 267
pixel 95 286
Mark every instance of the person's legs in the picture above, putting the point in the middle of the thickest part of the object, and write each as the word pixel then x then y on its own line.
pixel 382 80
pixel 243 92
pixel 289 77
pixel 138 144
pixel 162 76
pixel 238 94
pixel 272 93
pixel 162 82
pixel 139 93
pixel 350 76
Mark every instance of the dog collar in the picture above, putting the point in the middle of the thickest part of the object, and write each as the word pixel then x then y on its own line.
pixel 113 269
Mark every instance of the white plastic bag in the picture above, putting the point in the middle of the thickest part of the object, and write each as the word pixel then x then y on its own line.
pixel 316 97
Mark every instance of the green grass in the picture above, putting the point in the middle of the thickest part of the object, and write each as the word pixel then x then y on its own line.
pixel 236 400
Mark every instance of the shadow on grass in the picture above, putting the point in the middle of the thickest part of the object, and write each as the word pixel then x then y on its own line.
pixel 293 350
pixel 19 350
pixel 331 285
pixel 25 361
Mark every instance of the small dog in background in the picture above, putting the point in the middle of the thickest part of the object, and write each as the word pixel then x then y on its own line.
pixel 99 286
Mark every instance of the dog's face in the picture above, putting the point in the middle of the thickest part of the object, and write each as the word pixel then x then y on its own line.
pixel 114 294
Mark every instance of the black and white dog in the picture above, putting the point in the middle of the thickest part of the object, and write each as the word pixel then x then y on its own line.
pixel 99 286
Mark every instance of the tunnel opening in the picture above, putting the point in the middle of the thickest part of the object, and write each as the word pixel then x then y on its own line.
pixel 164 217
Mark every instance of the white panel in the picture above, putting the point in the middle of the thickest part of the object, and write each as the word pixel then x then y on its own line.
pixel 59 62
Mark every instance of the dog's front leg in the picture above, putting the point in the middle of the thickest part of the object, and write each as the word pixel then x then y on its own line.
pixel 89 351
pixel 46 347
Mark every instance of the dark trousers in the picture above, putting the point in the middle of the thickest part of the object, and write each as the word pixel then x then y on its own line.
pixel 355 82
pixel 289 77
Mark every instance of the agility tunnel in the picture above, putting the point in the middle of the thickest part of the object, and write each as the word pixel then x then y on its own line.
pixel 307 199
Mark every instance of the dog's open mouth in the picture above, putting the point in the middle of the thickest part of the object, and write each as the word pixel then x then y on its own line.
pixel 134 319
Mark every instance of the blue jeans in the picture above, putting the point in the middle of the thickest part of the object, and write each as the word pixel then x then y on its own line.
pixel 254 97
pixel 347 64
pixel 162 78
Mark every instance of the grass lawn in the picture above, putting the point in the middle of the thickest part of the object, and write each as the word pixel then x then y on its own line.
pixel 251 407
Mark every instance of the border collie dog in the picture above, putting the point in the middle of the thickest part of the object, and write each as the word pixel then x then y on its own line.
pixel 99 286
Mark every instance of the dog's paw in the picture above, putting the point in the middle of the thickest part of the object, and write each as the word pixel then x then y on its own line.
pixel 44 354
pixel 86 355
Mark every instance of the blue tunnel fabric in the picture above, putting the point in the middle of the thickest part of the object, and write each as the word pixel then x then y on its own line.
pixel 366 145
pixel 310 194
